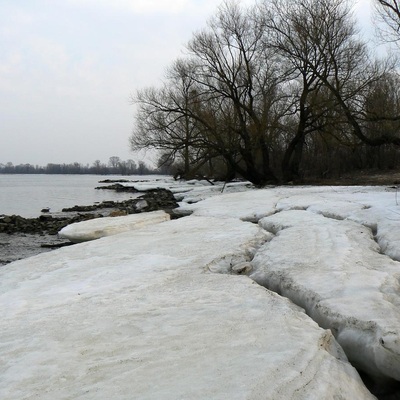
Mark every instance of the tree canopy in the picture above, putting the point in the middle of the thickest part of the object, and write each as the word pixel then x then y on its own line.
pixel 276 91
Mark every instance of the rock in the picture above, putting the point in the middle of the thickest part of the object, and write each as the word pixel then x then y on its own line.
pixel 114 181
pixel 55 245
pixel 118 213
pixel 80 208
pixel 6 220
pixel 118 188
pixel 159 199
pixel 43 224
pixel 141 205
pixel 45 218
pixel 156 199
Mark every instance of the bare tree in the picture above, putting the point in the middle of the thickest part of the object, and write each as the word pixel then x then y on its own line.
pixel 225 102
pixel 239 78
pixel 114 161
pixel 97 166
pixel 389 14
pixel 292 29
pixel 342 63
pixel 260 87
pixel 164 120
pixel 382 103
pixel 131 166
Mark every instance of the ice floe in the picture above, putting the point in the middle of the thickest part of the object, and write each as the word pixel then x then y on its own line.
pixel 334 254
pixel 250 205
pixel 335 271
pixel 108 226
pixel 140 315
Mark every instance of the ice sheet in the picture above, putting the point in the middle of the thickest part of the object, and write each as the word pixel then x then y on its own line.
pixel 139 315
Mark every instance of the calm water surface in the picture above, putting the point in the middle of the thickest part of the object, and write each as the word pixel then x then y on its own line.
pixel 27 195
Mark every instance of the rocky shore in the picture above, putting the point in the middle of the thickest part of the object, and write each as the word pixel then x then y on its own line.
pixel 23 237
pixel 45 224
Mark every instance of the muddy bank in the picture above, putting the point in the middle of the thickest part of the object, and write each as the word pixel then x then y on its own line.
pixel 18 246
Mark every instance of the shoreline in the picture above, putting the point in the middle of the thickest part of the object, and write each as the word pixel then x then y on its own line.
pixel 21 237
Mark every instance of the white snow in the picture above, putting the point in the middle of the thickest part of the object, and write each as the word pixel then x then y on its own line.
pixel 108 226
pixel 326 259
pixel 335 271
pixel 140 315
pixel 250 205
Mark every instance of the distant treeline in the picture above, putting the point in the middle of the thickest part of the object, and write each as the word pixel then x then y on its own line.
pixel 114 166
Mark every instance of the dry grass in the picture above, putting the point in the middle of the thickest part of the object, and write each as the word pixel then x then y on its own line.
pixel 363 177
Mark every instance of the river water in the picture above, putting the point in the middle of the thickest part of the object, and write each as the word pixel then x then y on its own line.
pixel 27 195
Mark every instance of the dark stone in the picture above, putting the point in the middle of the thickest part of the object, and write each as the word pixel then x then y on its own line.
pixel 43 224
pixel 157 199
pixel 6 219
pixel 45 218
pixel 80 208
pixel 119 188
pixel 55 245
pixel 114 181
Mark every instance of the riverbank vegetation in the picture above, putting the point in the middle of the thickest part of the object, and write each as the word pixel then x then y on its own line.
pixel 279 91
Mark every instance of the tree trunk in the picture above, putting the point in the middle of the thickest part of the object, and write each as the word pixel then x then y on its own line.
pixel 294 152
pixel 292 158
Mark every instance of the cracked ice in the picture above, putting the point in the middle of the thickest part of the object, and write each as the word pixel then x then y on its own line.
pixel 147 313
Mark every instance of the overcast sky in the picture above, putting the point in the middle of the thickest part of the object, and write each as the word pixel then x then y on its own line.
pixel 69 67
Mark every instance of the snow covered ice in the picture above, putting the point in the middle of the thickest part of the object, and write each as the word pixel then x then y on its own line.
pixel 335 271
pixel 326 259
pixel 108 226
pixel 160 312
pixel 138 315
